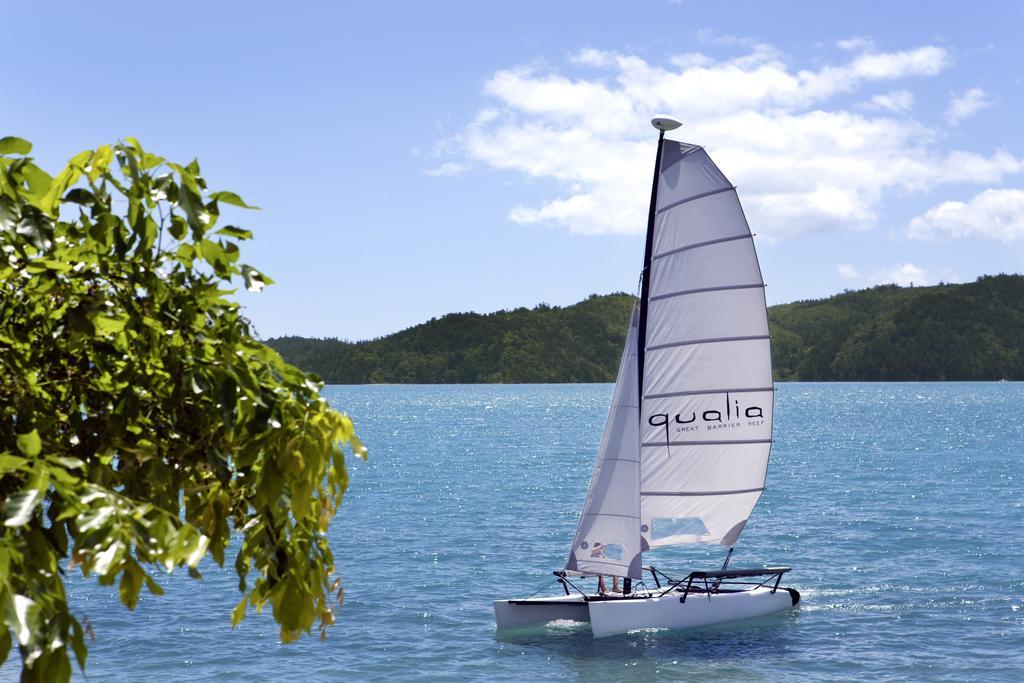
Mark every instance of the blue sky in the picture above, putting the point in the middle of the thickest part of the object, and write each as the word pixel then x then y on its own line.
pixel 414 159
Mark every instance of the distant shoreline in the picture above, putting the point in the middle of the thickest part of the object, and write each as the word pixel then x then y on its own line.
pixel 970 332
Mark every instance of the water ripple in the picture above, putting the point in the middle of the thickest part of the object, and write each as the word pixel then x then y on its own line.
pixel 899 507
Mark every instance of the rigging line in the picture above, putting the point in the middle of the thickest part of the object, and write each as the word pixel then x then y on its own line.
pixel 542 588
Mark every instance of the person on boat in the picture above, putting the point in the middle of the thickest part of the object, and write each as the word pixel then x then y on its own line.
pixel 599 552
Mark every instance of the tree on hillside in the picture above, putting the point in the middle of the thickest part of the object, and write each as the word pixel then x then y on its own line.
pixel 141 425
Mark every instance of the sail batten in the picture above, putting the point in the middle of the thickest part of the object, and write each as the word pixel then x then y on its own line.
pixel 698 245
pixel 733 390
pixel 700 493
pixel 719 340
pixel 695 197
pixel 705 290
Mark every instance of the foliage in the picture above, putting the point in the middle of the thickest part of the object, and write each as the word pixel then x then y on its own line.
pixel 580 343
pixel 140 422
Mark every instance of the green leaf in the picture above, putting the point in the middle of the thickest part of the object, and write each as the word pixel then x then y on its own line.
pixel 68 462
pixel 5 643
pixel 131 584
pixel 237 233
pixel 301 493
pixel 186 254
pixel 30 444
pixel 178 227
pixel 38 180
pixel 255 281
pixel 65 179
pixel 238 613
pixel 289 610
pixel 78 642
pixel 188 178
pixel 152 585
pixel 108 559
pixel 151 160
pixel 11 463
pixel 54 666
pixel 99 161
pixel 9 217
pixel 107 325
pixel 358 449
pixel 36 228
pixel 13 145
pixel 211 251
pixel 231 198
pixel 21 615
pixel 196 550
pixel 80 195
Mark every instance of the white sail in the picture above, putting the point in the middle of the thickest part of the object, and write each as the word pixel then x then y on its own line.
pixel 608 537
pixel 690 463
pixel 706 416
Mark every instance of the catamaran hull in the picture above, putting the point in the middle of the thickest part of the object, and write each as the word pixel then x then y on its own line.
pixel 613 617
pixel 513 614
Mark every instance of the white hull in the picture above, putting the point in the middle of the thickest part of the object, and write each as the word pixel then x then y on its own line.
pixel 609 617
pixel 619 616
pixel 512 614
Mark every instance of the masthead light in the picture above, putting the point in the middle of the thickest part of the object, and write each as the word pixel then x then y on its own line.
pixel 665 123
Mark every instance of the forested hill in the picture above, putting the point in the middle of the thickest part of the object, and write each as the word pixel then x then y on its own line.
pixel 578 343
pixel 971 331
pixel 947 332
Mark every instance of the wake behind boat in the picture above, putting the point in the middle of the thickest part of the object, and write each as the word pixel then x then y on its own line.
pixel 685 449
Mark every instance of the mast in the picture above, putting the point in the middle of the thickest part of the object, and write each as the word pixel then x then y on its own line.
pixel 662 123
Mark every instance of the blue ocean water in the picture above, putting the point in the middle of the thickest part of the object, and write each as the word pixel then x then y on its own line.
pixel 899 507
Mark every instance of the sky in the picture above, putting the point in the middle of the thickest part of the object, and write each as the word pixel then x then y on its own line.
pixel 413 159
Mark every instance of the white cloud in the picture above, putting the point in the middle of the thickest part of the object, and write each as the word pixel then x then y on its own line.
pixel 965 106
pixel 896 101
pixel 713 37
pixel 996 214
pixel 799 164
pixel 856 44
pixel 848 272
pixel 448 168
pixel 904 276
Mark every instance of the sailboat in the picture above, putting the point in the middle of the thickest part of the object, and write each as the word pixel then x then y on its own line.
pixel 684 455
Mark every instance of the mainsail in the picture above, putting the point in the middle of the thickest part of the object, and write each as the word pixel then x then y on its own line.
pixel 696 466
